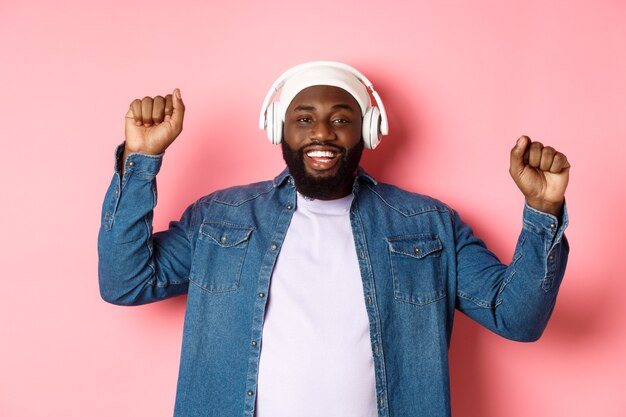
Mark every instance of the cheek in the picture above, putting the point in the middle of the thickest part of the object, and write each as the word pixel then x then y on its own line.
pixel 291 136
pixel 352 136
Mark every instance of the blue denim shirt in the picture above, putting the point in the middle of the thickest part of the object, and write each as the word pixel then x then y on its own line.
pixel 418 263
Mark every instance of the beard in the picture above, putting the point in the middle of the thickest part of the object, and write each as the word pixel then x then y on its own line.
pixel 323 187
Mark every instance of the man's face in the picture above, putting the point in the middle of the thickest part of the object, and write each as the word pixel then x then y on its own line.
pixel 322 143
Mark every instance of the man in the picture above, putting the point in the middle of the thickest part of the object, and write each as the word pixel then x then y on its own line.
pixel 323 292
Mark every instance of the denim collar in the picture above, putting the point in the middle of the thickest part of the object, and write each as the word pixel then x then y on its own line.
pixel 286 176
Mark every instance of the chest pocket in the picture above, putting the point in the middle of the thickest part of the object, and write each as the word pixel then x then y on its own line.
pixel 416 268
pixel 219 255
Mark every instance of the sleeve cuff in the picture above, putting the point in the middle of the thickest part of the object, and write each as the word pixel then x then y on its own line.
pixel 545 224
pixel 137 163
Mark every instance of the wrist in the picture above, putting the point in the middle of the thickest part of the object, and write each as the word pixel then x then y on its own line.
pixel 549 207
pixel 146 150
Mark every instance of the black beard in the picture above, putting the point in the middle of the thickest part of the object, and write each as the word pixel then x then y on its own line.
pixel 324 187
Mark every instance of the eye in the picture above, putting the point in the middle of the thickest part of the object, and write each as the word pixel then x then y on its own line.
pixel 341 122
pixel 303 119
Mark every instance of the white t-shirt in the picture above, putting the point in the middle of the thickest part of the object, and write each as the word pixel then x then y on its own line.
pixel 316 356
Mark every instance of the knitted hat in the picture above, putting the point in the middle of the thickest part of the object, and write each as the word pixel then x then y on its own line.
pixel 322 75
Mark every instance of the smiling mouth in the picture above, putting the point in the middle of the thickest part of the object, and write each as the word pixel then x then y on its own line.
pixel 321 159
pixel 322 156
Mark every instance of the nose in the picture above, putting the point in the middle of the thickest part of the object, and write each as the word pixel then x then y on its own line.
pixel 322 130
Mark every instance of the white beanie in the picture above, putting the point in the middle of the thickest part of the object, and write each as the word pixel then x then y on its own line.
pixel 324 75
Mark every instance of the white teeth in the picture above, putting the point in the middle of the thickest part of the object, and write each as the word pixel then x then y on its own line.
pixel 321 154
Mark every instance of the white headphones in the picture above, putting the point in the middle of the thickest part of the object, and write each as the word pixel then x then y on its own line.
pixel 374 121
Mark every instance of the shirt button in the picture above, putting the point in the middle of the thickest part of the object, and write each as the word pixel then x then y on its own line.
pixel 261 295
pixel 274 247
pixel 552 225
pixel 254 343
pixel 417 250
pixel 250 393
pixel 131 164
pixel 223 239
pixel 551 257
pixel 289 206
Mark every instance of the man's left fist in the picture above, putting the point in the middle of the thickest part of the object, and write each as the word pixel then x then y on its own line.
pixel 541 173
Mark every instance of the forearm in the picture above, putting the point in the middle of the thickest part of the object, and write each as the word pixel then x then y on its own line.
pixel 526 302
pixel 516 301
pixel 133 267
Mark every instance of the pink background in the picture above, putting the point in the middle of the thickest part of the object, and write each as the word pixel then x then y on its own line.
pixel 461 81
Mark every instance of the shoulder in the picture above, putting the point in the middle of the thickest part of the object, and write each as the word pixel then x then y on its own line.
pixel 405 202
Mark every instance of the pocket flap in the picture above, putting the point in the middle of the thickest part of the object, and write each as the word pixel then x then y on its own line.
pixel 225 234
pixel 416 246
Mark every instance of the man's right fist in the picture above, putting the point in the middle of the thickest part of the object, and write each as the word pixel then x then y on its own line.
pixel 153 123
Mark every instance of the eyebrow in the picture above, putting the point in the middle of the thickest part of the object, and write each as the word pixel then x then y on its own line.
pixel 306 107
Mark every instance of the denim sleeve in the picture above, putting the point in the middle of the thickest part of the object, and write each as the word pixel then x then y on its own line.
pixel 514 301
pixel 136 266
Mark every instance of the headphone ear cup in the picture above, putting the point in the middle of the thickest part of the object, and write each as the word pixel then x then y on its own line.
pixel 274 124
pixel 371 128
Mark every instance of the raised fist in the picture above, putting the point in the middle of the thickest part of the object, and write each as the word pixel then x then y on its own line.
pixel 153 123
pixel 541 173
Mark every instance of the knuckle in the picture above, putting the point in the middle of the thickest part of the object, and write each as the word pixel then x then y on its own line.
pixel 549 150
